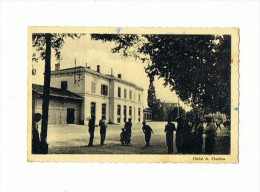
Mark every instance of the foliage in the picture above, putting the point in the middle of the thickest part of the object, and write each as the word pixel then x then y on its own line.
pixel 197 67
pixel 57 41
pixel 154 104
pixel 43 44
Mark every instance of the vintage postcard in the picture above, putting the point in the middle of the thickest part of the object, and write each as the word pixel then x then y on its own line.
pixel 161 95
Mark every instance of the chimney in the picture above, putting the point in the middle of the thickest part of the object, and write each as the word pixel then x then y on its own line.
pixel 119 76
pixel 57 67
pixel 98 68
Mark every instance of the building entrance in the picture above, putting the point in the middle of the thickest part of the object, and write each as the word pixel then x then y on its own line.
pixel 70 115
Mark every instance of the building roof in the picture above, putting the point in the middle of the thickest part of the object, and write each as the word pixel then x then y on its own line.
pixel 56 92
pixel 93 72
pixel 147 109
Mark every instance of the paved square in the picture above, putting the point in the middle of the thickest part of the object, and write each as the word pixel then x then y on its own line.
pixel 73 139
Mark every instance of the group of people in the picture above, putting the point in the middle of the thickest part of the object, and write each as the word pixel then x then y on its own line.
pixel 189 134
pixel 91 130
pixel 102 124
pixel 188 138
pixel 125 135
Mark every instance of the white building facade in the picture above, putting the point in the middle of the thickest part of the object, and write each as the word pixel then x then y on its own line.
pixel 103 95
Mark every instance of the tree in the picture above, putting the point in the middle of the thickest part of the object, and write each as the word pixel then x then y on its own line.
pixel 196 67
pixel 153 102
pixel 43 43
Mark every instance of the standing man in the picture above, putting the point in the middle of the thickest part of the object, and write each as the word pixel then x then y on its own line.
pixel 128 128
pixel 211 134
pixel 169 128
pixel 91 130
pixel 197 132
pixel 147 132
pixel 35 134
pixel 179 134
pixel 103 127
pixel 186 145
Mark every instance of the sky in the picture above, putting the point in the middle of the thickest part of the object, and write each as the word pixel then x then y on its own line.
pixel 92 53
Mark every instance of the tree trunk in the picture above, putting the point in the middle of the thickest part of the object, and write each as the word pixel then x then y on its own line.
pixel 46 95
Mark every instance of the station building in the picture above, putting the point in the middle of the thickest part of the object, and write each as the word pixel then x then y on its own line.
pixel 147 114
pixel 102 94
pixel 64 106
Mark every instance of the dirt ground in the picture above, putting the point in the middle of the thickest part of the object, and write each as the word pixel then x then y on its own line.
pixel 73 139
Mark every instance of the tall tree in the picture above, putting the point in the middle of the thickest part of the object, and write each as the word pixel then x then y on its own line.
pixel 43 44
pixel 196 67
pixel 152 101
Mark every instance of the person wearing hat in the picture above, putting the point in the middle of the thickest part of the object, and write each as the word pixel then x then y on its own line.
pixel 147 133
pixel 169 128
pixel 211 134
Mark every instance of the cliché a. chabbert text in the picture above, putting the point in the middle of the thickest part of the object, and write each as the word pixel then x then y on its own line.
pixel 208 158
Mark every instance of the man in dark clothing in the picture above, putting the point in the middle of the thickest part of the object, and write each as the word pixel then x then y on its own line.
pixel 197 133
pixel 179 135
pixel 91 130
pixel 128 127
pixel 183 135
pixel 103 127
pixel 169 128
pixel 186 145
pixel 147 132
pixel 211 134
pixel 35 134
pixel 35 140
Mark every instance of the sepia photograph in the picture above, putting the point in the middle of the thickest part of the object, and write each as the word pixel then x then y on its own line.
pixel 126 95
pixel 133 94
